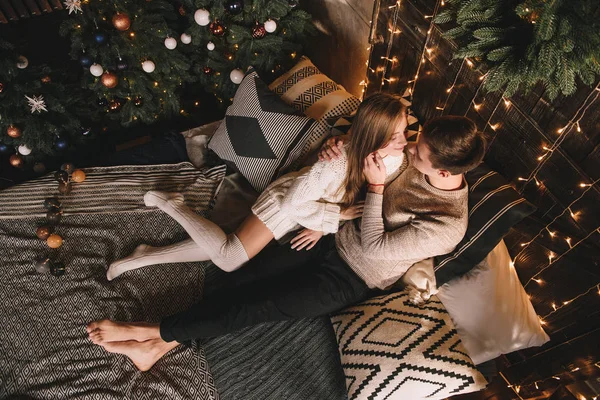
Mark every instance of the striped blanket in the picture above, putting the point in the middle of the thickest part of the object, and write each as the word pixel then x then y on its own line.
pixel 44 350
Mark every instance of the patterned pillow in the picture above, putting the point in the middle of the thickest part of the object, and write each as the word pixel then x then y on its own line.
pixel 310 91
pixel 391 348
pixel 260 134
pixel 494 208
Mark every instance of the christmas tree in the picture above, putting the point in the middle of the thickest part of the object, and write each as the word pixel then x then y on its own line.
pixel 522 43
pixel 37 111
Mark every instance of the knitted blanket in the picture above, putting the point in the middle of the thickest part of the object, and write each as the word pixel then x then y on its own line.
pixel 44 349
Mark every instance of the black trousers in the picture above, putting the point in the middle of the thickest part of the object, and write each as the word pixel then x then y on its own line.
pixel 278 284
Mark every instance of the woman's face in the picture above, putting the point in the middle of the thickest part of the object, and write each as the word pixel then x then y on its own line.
pixel 395 146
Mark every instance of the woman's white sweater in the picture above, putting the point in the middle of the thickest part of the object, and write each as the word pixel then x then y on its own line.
pixel 309 198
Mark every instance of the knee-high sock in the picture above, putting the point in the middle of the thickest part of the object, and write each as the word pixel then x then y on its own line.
pixel 143 255
pixel 225 251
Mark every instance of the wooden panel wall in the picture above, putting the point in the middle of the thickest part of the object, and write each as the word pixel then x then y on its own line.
pixel 13 10
pixel 518 130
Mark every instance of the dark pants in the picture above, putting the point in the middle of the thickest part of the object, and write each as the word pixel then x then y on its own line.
pixel 278 284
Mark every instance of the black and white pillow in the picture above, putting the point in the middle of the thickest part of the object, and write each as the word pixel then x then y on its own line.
pixel 494 208
pixel 260 134
pixel 392 349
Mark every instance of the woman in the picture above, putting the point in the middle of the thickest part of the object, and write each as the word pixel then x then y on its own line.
pixel 316 198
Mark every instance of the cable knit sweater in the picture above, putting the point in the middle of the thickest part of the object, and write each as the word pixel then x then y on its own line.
pixel 410 222
pixel 308 198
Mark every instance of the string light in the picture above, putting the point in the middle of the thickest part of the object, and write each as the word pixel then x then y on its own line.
pixel 550 257
pixel 495 126
pixel 552 234
pixel 507 103
pixel 469 62
pixel 578 127
pixel 568 240
pixel 476 106
pixel 539 281
pixel 554 306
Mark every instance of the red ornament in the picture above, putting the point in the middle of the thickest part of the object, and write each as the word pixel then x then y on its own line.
pixel 258 31
pixel 109 79
pixel 121 21
pixel 217 28
pixel 1 87
pixel 207 70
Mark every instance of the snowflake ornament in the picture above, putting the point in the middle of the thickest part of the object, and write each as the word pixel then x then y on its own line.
pixel 36 103
pixel 73 6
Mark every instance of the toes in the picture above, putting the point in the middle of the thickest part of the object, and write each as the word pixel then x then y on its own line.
pixel 92 326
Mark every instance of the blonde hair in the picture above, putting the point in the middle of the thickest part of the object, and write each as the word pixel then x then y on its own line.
pixel 373 127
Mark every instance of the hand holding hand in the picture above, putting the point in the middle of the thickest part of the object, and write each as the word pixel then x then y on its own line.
pixel 374 169
pixel 306 237
pixel 352 212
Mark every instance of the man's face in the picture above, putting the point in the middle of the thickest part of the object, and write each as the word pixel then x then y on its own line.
pixel 396 145
pixel 421 161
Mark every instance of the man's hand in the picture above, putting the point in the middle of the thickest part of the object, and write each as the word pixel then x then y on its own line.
pixel 306 237
pixel 352 212
pixel 374 169
pixel 332 148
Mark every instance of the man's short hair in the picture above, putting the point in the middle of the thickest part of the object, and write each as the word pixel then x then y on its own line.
pixel 455 143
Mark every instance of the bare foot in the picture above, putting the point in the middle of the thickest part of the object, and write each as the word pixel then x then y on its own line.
pixel 110 331
pixel 143 354
pixel 126 264
pixel 154 198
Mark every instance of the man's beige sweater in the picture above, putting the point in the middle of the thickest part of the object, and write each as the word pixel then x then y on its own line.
pixel 411 221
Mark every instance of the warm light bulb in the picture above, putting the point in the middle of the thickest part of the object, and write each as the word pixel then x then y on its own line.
pixel 539 281
pixel 536 386
pixel 542 322
pixel 568 240
pixel 507 103
pixel 495 126
pixel 469 62
pixel 550 257
pixel 439 108
pixel 131 34
pixel 585 184
pixel 578 127
pixel 556 377
pixel 554 306
pixel 560 130
pixel 566 302
pixel 476 106
pixel 521 179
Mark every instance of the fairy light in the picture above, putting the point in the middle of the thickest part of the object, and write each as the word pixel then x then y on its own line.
pixel 550 257
pixel 554 306
pixel 539 281
pixel 495 126
pixel 561 130
pixel 568 240
pixel 578 127
pixel 537 183
pixel 507 103
pixel 536 386
pixel 556 377
pixel 476 106
pixel 552 234
pixel 575 369
pixel 469 62
pixel 573 214
pixel 440 108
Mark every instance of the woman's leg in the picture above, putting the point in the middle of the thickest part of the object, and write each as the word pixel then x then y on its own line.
pixel 228 252
pixel 143 255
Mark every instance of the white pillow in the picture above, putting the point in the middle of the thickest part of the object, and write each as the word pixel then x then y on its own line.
pixel 490 309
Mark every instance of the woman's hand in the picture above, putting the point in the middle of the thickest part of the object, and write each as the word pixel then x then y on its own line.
pixel 352 212
pixel 306 237
pixel 374 169
pixel 332 148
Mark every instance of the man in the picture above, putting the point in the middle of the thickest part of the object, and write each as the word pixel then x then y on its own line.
pixel 420 214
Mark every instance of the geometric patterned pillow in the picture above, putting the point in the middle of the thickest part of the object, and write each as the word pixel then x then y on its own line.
pixel 260 134
pixel 392 349
pixel 314 94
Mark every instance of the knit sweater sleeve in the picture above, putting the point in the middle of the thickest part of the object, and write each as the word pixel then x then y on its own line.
pixel 304 202
pixel 419 239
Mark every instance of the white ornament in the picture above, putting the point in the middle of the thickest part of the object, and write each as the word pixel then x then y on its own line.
pixel 170 43
pixel 96 69
pixel 73 6
pixel 185 38
pixel 23 149
pixel 22 62
pixel 148 66
pixel 270 26
pixel 202 17
pixel 236 76
pixel 36 103
pixel 210 46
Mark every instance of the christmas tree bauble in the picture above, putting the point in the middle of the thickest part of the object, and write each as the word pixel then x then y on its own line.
pixel 78 176
pixel 138 101
pixel 85 61
pixel 22 62
pixel 51 203
pixel 170 43
pixel 96 69
pixel 39 168
pixel 68 167
pixel 54 241
pixel 202 17
pixel 43 232
pixel 54 216
pixel 16 160
pixel 210 46
pixel 46 79
pixel 109 79
pixel 13 132
pixel 86 131
pixel 57 269
pixel 148 66
pixel 122 65
pixel 234 7
pixel 121 21
pixel 258 31
pixel 61 144
pixel 114 105
pixel 185 38
pixel 217 28
pixel 236 76
pixel 4 149
pixel 1 87
pixel 24 150
pixel 102 101
pixel 64 188
pixel 61 176
pixel 293 4
pixel 43 265
pixel 270 26
pixel 207 70
pixel 100 37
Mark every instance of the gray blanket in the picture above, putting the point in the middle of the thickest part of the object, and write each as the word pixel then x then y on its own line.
pixel 44 349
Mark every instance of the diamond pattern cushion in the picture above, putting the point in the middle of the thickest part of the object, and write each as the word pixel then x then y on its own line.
pixel 392 349
pixel 261 135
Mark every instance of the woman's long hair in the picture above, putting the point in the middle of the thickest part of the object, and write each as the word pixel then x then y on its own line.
pixel 372 128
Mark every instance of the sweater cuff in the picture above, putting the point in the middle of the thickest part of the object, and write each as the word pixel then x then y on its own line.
pixel 373 202
pixel 331 218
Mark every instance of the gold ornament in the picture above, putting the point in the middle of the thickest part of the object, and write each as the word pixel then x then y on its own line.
pixel 78 176
pixel 109 79
pixel 121 21
pixel 43 232
pixel 16 160
pixel 54 241
pixel 13 132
